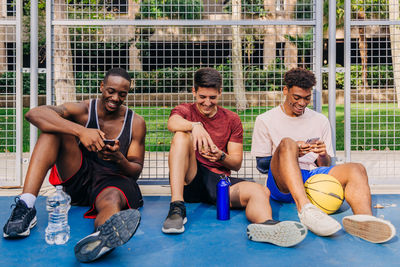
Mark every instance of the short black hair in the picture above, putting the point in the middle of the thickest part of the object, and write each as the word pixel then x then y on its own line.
pixel 208 78
pixel 300 77
pixel 117 72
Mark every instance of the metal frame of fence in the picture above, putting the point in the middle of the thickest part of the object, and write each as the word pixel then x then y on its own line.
pixel 110 33
pixel 11 116
pixel 371 117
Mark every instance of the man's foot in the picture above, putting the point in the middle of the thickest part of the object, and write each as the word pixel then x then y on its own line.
pixel 369 228
pixel 115 232
pixel 21 221
pixel 317 221
pixel 283 234
pixel 176 218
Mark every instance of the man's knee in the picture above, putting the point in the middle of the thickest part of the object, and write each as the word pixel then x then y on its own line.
pixel 287 144
pixel 109 197
pixel 357 171
pixel 181 138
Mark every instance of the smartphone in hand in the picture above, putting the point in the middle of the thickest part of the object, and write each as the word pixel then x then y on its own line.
pixel 110 142
pixel 312 140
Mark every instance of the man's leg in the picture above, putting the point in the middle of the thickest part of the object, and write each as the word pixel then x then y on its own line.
pixel 182 170
pixel 113 226
pixel 288 179
pixel 255 198
pixel 49 149
pixel 354 179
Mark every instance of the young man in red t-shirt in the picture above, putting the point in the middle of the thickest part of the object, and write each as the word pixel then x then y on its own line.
pixel 208 143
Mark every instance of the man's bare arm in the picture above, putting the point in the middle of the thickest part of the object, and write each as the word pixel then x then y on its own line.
pixel 201 139
pixel 233 157
pixel 132 165
pixel 64 119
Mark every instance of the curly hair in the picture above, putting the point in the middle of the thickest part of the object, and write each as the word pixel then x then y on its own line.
pixel 299 77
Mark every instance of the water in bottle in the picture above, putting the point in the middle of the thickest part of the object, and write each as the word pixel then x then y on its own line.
pixel 223 202
pixel 58 204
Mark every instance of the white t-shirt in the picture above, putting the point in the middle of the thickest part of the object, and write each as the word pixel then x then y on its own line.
pixel 274 125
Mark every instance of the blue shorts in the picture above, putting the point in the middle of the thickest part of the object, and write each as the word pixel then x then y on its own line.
pixel 282 197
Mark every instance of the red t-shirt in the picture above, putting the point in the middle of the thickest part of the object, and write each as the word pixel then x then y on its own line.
pixel 225 126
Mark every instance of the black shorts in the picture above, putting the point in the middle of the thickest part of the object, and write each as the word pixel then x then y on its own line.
pixel 91 179
pixel 203 188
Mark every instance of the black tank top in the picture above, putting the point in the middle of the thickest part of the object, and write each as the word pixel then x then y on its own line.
pixel 124 137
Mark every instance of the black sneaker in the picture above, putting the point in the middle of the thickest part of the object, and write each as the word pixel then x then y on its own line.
pixel 21 221
pixel 115 232
pixel 283 234
pixel 176 218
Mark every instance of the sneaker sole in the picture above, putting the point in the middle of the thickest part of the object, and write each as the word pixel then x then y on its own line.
pixel 115 232
pixel 283 234
pixel 369 228
pixel 23 234
pixel 175 230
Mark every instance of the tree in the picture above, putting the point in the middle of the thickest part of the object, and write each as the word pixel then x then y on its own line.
pixel 64 80
pixel 3 36
pixel 134 60
pixel 394 14
pixel 237 65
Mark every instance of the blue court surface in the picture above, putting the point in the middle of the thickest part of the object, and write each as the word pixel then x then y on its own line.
pixel 206 241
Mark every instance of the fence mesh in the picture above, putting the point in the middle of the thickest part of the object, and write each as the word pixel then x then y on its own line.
pixel 8 128
pixel 375 74
pixel 163 58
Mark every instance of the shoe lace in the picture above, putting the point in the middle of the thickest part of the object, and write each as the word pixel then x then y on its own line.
pixel 19 211
pixel 316 213
pixel 176 209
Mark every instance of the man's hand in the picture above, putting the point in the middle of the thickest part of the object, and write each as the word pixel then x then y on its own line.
pixel 202 140
pixel 304 148
pixel 213 155
pixel 319 148
pixel 111 153
pixel 92 139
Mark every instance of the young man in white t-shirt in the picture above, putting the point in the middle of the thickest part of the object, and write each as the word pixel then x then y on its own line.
pixel 293 143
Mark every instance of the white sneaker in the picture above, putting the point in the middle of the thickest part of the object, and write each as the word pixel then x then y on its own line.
pixel 317 221
pixel 369 228
pixel 283 234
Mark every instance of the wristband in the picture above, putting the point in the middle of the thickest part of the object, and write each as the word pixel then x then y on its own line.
pixel 196 123
pixel 223 156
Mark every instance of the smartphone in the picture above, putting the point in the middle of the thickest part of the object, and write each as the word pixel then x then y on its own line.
pixel 312 140
pixel 110 142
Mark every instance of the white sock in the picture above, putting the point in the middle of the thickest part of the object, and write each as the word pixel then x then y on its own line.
pixel 29 199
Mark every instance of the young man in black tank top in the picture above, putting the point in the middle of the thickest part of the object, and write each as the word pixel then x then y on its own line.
pixel 92 172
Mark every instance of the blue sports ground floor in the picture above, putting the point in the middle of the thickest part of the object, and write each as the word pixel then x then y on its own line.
pixel 206 241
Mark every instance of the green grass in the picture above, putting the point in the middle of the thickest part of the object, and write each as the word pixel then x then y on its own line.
pixel 373 127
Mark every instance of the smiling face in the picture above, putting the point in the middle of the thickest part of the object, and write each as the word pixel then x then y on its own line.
pixel 297 99
pixel 207 100
pixel 114 92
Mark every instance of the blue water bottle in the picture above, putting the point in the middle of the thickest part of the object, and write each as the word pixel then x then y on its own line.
pixel 223 210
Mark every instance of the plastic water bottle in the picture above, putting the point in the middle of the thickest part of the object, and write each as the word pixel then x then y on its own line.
pixel 223 202
pixel 58 204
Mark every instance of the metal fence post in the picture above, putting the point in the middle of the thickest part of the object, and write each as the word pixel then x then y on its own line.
pixel 347 85
pixel 18 93
pixel 33 70
pixel 332 70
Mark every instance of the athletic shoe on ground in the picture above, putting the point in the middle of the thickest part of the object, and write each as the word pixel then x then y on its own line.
pixel 115 232
pixel 369 228
pixel 21 221
pixel 283 234
pixel 317 221
pixel 176 218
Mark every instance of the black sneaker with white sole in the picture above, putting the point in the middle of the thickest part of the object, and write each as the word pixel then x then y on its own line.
pixel 21 221
pixel 115 232
pixel 174 223
pixel 283 234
